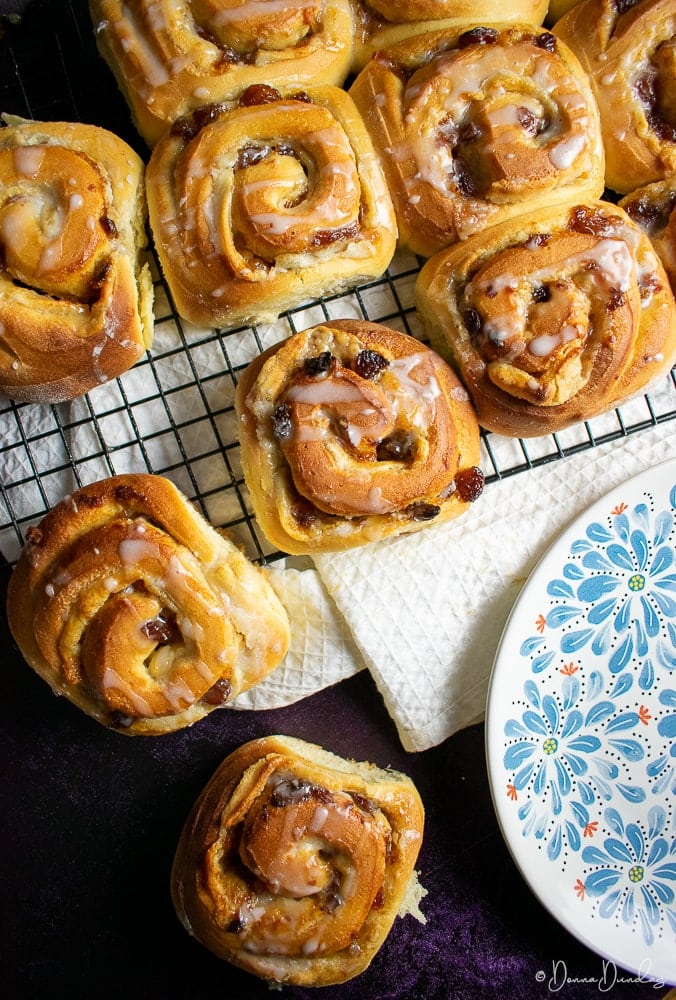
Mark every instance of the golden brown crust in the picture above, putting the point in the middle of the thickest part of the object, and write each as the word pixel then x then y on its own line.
pixel 351 432
pixel 75 287
pixel 552 318
pixel 172 56
pixel 294 862
pixel 382 24
pixel 653 208
pixel 126 601
pixel 557 8
pixel 630 58
pixel 275 202
pixel 474 126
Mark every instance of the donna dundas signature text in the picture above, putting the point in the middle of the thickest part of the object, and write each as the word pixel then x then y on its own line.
pixel 558 978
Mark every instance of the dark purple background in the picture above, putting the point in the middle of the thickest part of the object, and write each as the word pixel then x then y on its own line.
pixel 90 818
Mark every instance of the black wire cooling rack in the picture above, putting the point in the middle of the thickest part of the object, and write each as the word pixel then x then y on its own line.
pixel 173 413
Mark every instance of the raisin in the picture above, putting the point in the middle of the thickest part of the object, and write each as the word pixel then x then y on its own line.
pixel 208 113
pixel 258 93
pixel 289 791
pixel 331 900
pixel 529 122
pixel 472 321
pixel 622 6
pixel 119 720
pixel 396 448
pixel 366 805
pixel 282 425
pixel 546 41
pixel 319 365
pixel 218 693
pixel 163 629
pixel 369 364
pixel 235 926
pixel 228 57
pixel 477 36
pixel 108 226
pixel 249 155
pixel 591 222
pixel 422 511
pixel 643 212
pixel 301 95
pixel 541 294
pixel 646 88
pixel 469 484
pixel 184 128
pixel 463 178
pixel 101 274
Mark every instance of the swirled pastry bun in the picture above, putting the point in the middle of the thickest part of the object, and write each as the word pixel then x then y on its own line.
pixel 295 862
pixel 128 603
pixel 477 125
pixel 351 432
pixel 383 23
pixel 170 57
pixel 266 204
pixel 629 53
pixel 653 208
pixel 75 287
pixel 551 318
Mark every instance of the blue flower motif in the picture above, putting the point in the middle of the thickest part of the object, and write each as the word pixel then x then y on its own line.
pixel 634 873
pixel 557 757
pixel 617 596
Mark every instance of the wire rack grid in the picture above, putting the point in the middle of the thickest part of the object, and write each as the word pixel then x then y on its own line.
pixel 173 413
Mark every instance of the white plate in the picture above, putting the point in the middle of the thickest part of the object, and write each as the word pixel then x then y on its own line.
pixel 581 727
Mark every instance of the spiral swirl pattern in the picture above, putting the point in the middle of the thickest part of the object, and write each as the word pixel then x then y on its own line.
pixel 173 56
pixel 130 604
pixel 629 53
pixel 273 202
pixel 75 293
pixel 552 318
pixel 293 863
pixel 475 126
pixel 351 432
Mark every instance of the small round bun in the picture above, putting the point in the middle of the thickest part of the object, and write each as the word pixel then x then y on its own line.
pixel 128 603
pixel 76 292
pixel 351 432
pixel 294 862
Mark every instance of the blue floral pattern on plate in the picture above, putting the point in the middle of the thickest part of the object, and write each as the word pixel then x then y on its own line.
pixel 581 727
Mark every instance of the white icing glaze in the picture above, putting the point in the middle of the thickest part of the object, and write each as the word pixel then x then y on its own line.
pixel 28 160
